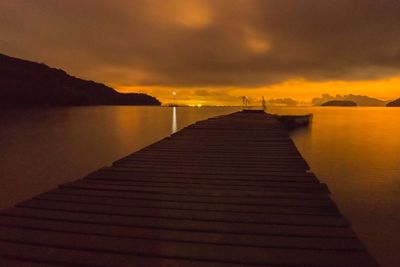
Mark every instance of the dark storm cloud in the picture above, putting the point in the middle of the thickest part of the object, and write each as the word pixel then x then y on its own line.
pixel 206 43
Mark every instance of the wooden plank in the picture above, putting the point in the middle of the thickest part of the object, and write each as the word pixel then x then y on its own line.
pixel 318 188
pixel 219 216
pixel 186 159
pixel 212 169
pixel 230 171
pixel 113 172
pixel 246 209
pixel 146 153
pixel 187 225
pixel 199 192
pixel 185 250
pixel 268 181
pixel 261 166
pixel 78 257
pixel 270 241
pixel 236 185
pixel 247 163
pixel 204 171
pixel 236 201
pixel 12 262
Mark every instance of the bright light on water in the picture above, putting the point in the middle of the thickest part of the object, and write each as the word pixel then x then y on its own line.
pixel 174 123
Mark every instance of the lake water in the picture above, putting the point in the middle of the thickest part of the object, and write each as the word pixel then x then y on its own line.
pixel 356 151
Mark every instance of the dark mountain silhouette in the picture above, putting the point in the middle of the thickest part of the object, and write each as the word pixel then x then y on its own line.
pixel 339 103
pixel 395 103
pixel 26 84
pixel 360 100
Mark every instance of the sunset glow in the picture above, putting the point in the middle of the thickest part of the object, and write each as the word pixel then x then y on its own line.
pixel 214 52
pixel 299 90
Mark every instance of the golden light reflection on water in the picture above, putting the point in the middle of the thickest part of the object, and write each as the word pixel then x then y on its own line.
pixel 174 123
pixel 42 148
pixel 356 152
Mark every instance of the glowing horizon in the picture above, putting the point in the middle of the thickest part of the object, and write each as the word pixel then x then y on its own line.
pixel 382 89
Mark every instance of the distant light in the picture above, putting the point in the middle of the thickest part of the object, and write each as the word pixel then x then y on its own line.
pixel 199 105
pixel 174 93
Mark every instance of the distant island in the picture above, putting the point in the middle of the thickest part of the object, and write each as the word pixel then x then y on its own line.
pixel 25 83
pixel 360 100
pixel 395 103
pixel 339 103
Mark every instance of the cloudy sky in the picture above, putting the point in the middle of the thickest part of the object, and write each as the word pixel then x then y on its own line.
pixel 214 51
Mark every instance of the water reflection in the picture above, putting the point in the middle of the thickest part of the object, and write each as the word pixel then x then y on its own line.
pixel 174 124
pixel 42 148
pixel 353 150
pixel 356 152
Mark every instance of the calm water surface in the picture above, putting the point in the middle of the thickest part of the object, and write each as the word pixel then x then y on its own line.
pixel 354 150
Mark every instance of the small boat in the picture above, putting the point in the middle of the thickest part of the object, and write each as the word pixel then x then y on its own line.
pixel 290 121
pixel 294 121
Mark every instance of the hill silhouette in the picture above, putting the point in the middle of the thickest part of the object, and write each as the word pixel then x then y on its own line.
pixel 339 103
pixel 25 83
pixel 395 103
pixel 360 100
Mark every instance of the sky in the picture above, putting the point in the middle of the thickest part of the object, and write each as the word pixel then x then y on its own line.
pixel 212 52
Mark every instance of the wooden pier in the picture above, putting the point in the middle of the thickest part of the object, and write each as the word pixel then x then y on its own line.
pixel 228 191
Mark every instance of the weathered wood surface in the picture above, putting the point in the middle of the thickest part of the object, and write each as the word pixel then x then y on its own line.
pixel 227 191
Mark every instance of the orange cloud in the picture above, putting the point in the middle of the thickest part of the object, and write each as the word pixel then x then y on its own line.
pixel 224 49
